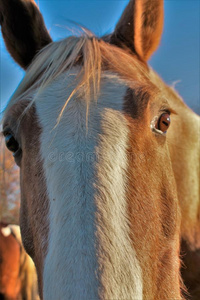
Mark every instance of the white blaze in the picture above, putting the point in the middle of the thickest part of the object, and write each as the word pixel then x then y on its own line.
pixel 90 255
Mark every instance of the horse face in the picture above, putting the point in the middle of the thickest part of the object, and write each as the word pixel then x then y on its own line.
pixel 118 158
pixel 98 191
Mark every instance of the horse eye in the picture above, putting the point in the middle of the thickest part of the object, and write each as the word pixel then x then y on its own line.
pixel 11 143
pixel 163 122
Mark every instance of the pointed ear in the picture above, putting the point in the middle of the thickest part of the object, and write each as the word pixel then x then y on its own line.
pixel 23 29
pixel 140 27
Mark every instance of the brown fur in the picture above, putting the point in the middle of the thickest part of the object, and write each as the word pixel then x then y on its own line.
pixel 34 203
pixel 23 30
pixel 183 141
pixel 140 27
pixel 156 236
pixel 148 26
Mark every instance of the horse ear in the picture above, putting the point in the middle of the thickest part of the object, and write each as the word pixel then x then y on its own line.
pixel 23 29
pixel 140 27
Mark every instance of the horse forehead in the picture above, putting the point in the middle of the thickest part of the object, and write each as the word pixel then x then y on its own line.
pixel 115 93
pixel 59 88
pixel 53 98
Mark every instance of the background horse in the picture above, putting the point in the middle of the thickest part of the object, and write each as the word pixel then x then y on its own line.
pixel 18 278
pixel 88 128
pixel 10 284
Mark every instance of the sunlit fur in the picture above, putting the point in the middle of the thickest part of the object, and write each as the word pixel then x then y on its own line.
pixel 184 146
pixel 147 33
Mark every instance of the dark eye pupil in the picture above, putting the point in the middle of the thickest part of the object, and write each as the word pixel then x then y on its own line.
pixel 11 143
pixel 164 122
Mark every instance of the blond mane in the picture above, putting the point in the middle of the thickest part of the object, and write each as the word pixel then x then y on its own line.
pixel 92 55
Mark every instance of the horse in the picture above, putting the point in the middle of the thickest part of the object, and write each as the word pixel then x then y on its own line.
pixel 18 279
pixel 9 265
pixel 105 151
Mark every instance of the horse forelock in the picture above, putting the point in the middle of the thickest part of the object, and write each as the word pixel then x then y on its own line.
pixel 93 55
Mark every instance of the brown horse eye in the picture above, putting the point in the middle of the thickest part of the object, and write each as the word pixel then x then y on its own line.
pixel 163 122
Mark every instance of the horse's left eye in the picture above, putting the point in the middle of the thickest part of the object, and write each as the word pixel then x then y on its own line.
pixel 163 122
pixel 11 143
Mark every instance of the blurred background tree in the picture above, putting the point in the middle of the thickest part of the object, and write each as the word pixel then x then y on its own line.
pixel 9 186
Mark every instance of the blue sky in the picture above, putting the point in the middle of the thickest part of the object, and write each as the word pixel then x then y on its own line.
pixel 177 58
